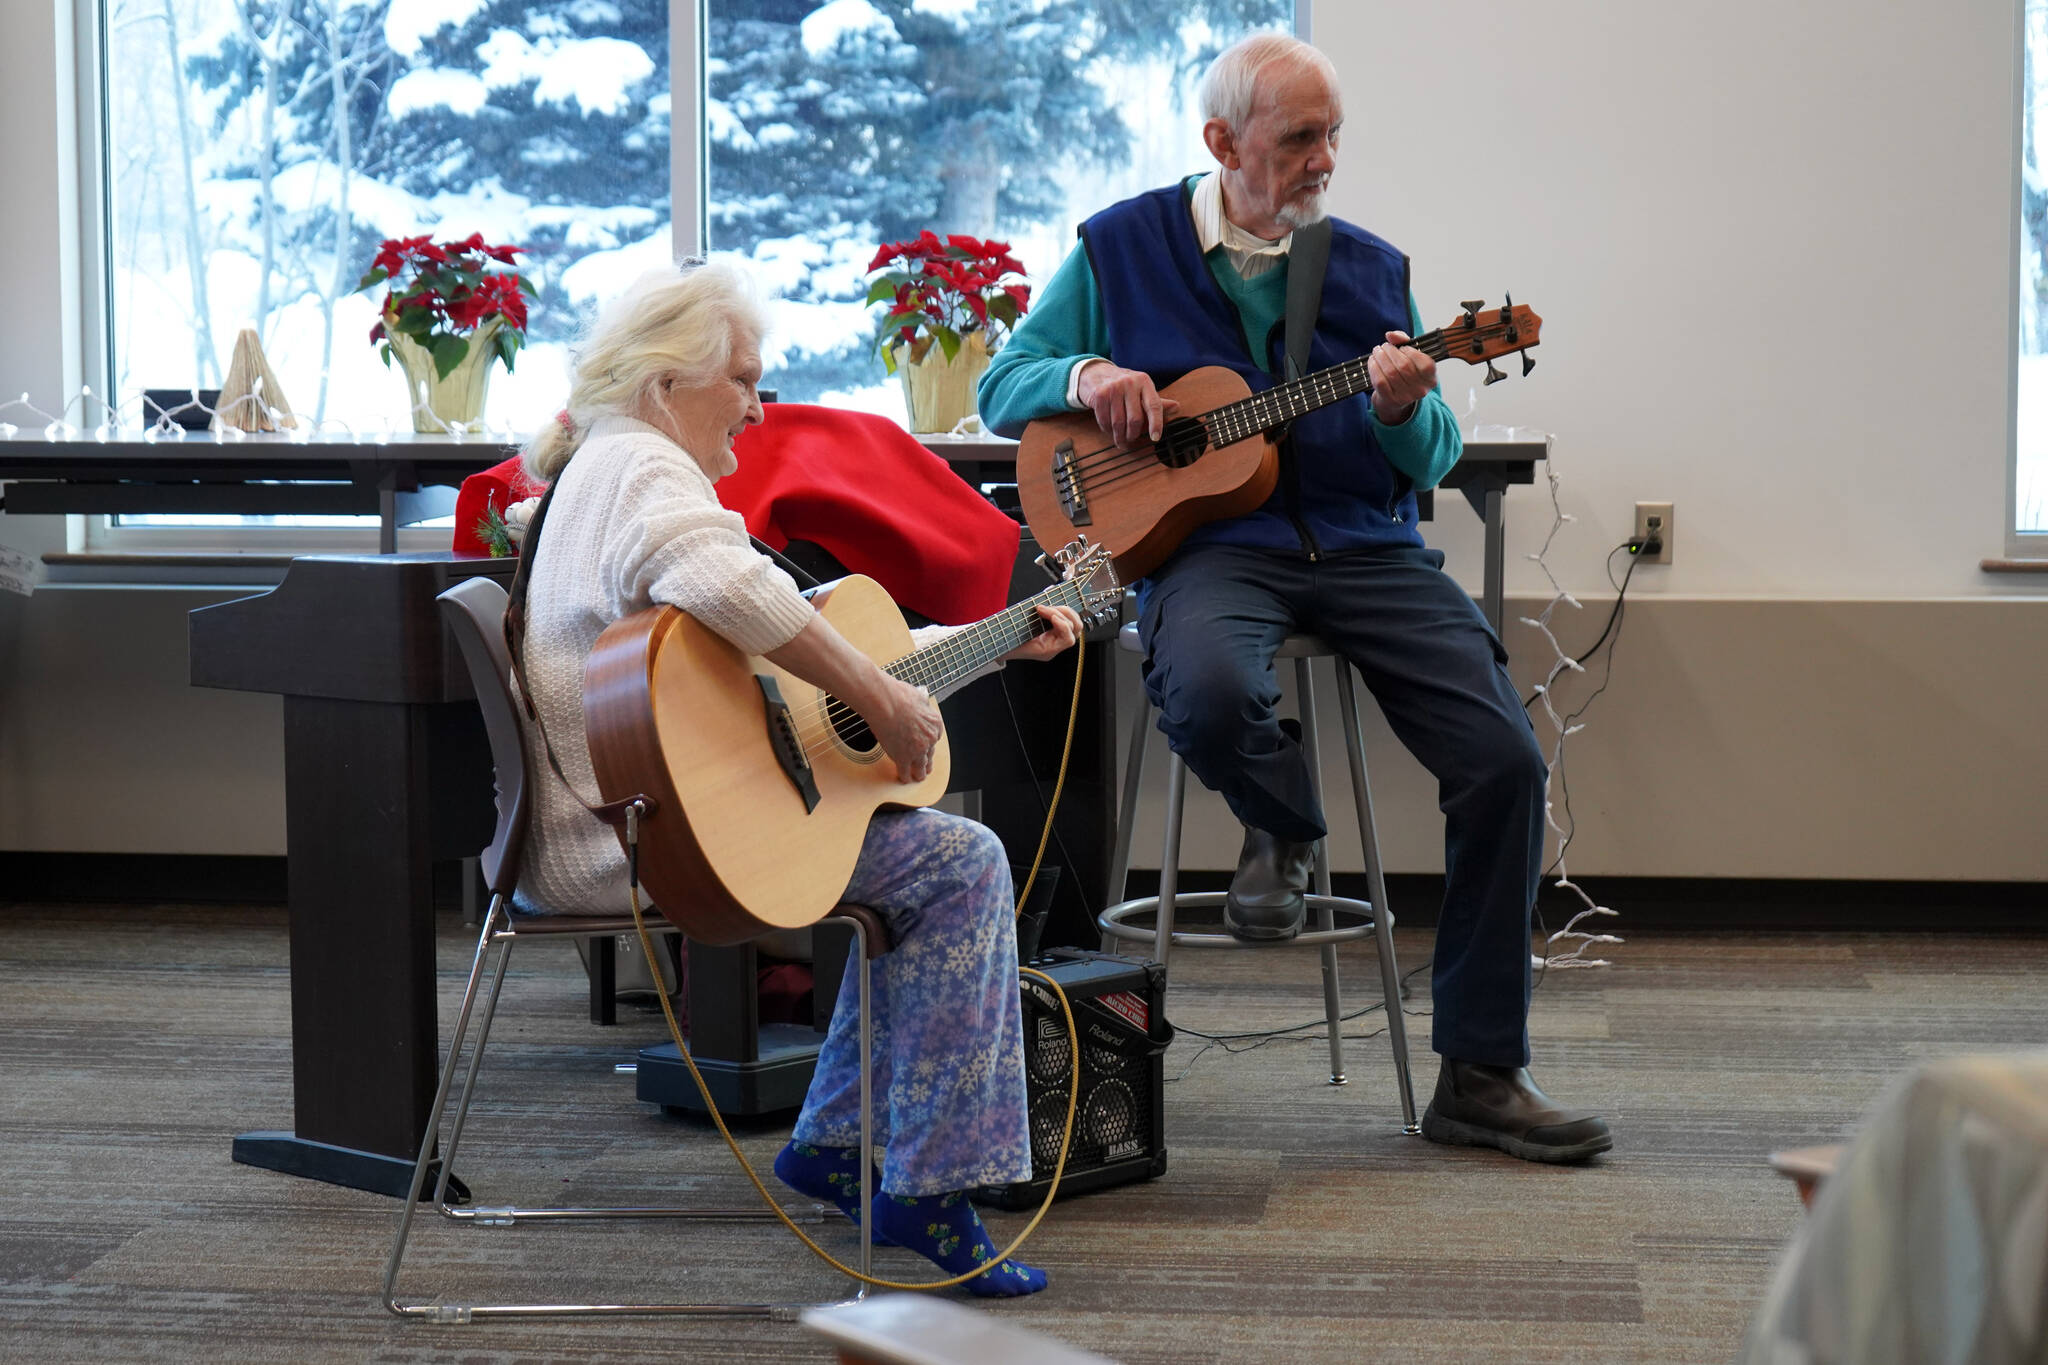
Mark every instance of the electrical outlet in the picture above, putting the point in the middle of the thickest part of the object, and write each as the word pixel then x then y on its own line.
pixel 1654 518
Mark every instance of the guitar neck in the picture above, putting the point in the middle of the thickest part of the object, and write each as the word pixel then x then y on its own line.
pixel 937 666
pixel 1284 402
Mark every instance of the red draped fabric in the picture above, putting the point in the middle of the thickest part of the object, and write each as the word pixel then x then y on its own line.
pixel 859 487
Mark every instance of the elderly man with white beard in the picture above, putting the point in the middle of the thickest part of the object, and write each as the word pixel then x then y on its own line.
pixel 1195 274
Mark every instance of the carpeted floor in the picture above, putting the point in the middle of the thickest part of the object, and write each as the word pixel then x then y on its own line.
pixel 1296 1222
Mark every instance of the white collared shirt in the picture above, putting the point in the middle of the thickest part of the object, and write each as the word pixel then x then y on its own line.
pixel 1249 254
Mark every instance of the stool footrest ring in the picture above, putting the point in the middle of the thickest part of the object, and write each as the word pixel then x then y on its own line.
pixel 1115 922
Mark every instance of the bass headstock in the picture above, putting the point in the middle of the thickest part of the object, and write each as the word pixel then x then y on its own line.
pixel 1090 571
pixel 1481 335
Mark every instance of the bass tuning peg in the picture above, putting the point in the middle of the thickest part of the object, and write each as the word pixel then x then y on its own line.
pixel 1528 363
pixel 1493 376
pixel 1473 305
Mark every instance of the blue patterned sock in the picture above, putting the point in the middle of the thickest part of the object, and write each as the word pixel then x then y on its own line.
pixel 945 1228
pixel 825 1173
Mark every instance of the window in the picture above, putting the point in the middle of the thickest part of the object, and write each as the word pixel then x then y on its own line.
pixel 2030 451
pixel 258 150
pixel 834 127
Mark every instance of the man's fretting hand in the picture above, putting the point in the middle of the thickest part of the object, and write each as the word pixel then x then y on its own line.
pixel 1402 376
pixel 1127 407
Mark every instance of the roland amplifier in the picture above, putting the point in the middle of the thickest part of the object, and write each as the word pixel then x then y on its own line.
pixel 1119 1131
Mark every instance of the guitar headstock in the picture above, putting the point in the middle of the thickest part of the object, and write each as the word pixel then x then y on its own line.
pixel 1480 335
pixel 1090 571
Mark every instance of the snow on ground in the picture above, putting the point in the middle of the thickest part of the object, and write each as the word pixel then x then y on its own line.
pixel 884 400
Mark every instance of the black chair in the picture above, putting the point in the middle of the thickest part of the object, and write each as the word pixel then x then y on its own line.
pixel 474 611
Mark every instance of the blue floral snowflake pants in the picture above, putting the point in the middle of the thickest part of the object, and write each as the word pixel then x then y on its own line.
pixel 948 1040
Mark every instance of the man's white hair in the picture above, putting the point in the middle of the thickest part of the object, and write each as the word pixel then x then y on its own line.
pixel 1230 87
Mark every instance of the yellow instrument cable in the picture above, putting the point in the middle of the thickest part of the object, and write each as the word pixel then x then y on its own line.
pixel 1073 1037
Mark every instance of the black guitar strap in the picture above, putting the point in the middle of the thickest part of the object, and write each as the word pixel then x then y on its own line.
pixel 1308 257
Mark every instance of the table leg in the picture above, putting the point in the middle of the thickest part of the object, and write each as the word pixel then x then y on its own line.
pixel 364 1042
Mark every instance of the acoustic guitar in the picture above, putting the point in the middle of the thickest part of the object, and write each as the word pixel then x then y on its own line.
pixel 1218 458
pixel 763 785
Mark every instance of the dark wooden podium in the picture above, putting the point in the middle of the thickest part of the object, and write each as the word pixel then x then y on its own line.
pixel 387 770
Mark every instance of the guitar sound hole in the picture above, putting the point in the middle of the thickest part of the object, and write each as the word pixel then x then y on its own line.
pixel 1182 443
pixel 853 732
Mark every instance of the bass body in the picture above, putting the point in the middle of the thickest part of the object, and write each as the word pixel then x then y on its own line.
pixel 1219 456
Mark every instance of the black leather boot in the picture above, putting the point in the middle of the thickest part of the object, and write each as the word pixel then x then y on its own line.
pixel 1266 902
pixel 1499 1106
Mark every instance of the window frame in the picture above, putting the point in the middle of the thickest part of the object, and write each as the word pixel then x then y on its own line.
pixel 689 151
pixel 2018 544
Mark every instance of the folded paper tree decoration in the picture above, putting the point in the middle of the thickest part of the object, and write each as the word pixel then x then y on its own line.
pixel 250 397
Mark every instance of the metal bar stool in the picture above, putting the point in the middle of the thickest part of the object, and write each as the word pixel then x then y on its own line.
pixel 1360 918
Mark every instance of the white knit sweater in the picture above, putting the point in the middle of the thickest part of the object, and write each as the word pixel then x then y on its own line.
pixel 634 521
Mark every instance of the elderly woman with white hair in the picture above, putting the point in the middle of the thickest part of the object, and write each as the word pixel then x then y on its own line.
pixel 663 383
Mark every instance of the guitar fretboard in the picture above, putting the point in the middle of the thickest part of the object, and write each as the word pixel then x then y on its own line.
pixel 964 651
pixel 1248 417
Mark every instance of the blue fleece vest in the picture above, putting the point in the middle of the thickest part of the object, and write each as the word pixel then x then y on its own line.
pixel 1167 316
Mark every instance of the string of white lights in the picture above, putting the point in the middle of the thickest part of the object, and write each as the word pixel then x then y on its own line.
pixel 1567 947
pixel 165 426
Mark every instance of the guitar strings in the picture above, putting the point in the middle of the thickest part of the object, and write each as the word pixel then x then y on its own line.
pixel 816 739
pixel 1235 422
pixel 1224 426
pixel 936 661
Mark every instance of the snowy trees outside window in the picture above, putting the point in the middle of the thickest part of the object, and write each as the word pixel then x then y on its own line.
pixel 258 150
pixel 836 127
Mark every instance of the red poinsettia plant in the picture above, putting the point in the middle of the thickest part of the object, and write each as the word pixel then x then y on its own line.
pixel 940 291
pixel 443 294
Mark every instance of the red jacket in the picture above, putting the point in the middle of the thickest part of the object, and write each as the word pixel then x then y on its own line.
pixel 859 487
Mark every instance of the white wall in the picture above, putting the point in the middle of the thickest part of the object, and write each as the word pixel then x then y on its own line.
pixel 1770 244
pixel 1771 247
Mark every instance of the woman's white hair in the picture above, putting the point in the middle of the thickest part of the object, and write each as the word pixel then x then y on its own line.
pixel 682 322
pixel 1230 87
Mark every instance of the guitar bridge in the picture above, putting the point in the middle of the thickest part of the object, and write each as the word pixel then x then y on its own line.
pixel 782 738
pixel 1066 477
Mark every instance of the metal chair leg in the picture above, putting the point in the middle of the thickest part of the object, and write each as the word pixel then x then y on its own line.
pixel 1333 1006
pixel 426 1153
pixel 1169 860
pixel 459 1313
pixel 1376 887
pixel 503 939
pixel 1127 814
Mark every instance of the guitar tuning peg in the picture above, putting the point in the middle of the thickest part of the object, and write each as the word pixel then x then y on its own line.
pixel 1473 305
pixel 1528 363
pixel 1493 376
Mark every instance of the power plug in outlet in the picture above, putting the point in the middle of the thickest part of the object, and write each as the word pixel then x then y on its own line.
pixel 1653 526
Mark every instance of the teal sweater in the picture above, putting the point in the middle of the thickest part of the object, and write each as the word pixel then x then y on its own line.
pixel 1028 377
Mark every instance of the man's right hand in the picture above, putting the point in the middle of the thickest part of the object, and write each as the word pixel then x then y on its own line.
pixel 1126 405
pixel 906 723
